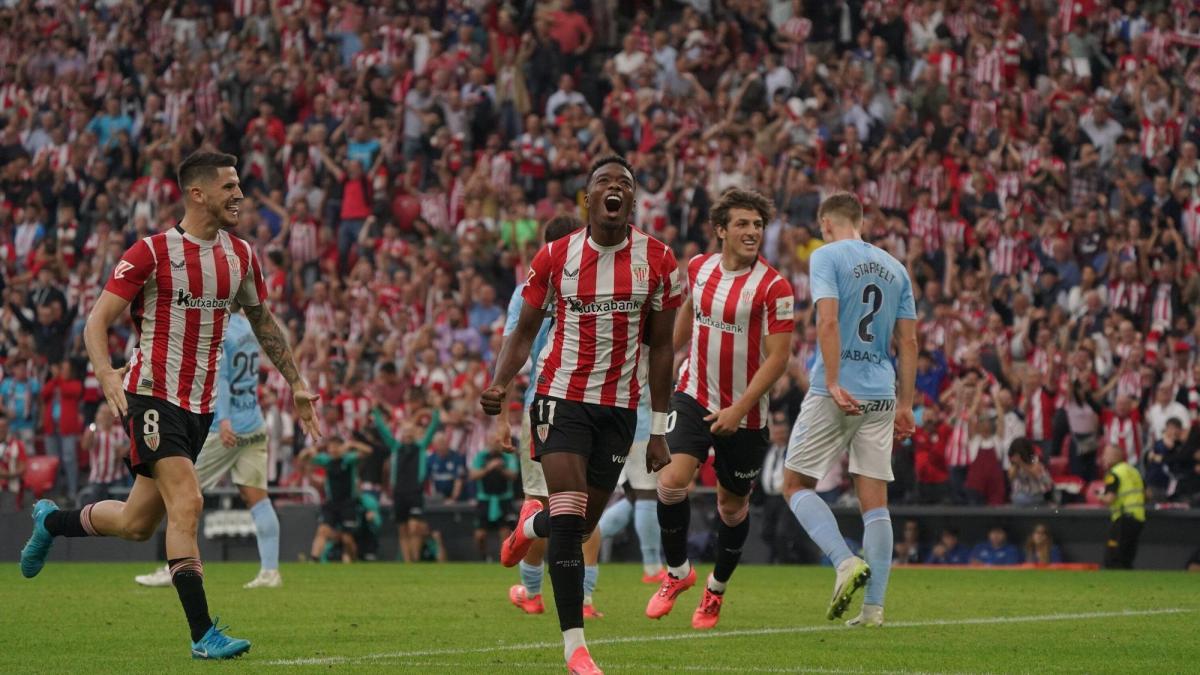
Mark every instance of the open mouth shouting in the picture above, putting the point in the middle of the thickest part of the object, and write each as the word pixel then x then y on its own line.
pixel 233 208
pixel 612 205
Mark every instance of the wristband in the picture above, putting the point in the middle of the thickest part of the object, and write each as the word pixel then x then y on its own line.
pixel 658 423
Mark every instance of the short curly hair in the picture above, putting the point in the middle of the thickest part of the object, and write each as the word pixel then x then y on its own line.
pixel 737 198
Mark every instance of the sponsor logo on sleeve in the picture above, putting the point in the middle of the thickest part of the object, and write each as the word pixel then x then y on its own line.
pixel 783 309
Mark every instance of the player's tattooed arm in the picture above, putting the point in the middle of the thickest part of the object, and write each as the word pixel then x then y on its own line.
pixel 273 342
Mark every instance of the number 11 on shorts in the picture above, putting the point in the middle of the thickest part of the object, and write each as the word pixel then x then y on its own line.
pixel 545 406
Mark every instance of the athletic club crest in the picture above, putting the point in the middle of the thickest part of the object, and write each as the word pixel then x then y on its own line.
pixel 543 431
pixel 151 441
pixel 748 296
pixel 641 273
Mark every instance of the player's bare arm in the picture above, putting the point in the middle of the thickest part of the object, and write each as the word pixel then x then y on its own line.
pixel 906 349
pixel 512 356
pixel 683 325
pixel 659 329
pixel 108 308
pixel 275 345
pixel 778 347
pixel 830 340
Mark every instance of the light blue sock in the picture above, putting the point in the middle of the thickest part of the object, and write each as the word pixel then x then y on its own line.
pixel 266 524
pixel 818 521
pixel 877 549
pixel 531 578
pixel 615 518
pixel 645 521
pixel 590 574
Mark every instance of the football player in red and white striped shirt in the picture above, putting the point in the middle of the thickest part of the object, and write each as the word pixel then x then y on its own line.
pixel 180 285
pixel 106 445
pixel 739 320
pixel 609 287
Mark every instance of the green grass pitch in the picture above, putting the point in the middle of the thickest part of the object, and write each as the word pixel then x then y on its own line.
pixel 92 618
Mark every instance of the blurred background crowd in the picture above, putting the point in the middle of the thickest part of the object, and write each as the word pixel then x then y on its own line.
pixel 1033 162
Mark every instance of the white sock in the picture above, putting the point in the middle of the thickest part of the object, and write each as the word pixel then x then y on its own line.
pixel 714 585
pixel 651 570
pixel 527 529
pixel 681 571
pixel 587 600
pixel 572 640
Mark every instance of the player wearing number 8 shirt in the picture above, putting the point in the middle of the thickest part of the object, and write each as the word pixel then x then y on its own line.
pixel 610 287
pixel 237 445
pixel 180 285
pixel 739 321
pixel 863 296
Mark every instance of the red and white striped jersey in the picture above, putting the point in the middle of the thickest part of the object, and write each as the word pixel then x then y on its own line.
pixel 354 410
pixel 1127 295
pixel 600 296
pixel 1191 223
pixel 893 185
pixel 1039 415
pixel 988 69
pixel 303 243
pixel 181 289
pixel 1009 255
pixel 1124 432
pixel 108 448
pixel 1158 139
pixel 923 223
pixel 12 455
pixel 731 314
pixel 958 451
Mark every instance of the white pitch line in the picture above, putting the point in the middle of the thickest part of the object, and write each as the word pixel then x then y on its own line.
pixel 645 667
pixel 787 630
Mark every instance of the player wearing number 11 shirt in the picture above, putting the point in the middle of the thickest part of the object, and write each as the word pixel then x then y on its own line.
pixel 180 286
pixel 610 288
pixel 863 296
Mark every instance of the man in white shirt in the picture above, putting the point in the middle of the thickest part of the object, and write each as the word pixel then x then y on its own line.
pixel 565 95
pixel 1164 408
pixel 1102 129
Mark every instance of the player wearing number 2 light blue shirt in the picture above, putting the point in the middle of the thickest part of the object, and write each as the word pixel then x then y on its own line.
pixel 863 297
pixel 237 445
pixel 872 290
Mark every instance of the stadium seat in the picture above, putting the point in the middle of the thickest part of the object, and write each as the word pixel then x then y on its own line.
pixel 1093 492
pixel 39 474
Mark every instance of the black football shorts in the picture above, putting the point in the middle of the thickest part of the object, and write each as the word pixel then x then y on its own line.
pixel 738 458
pixel 159 429
pixel 600 433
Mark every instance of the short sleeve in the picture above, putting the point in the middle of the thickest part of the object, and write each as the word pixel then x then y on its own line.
pixel 670 290
pixel 514 313
pixel 538 291
pixel 1111 483
pixel 131 271
pixel 477 462
pixel 822 272
pixel 780 314
pixel 321 459
pixel 253 290
pixel 908 305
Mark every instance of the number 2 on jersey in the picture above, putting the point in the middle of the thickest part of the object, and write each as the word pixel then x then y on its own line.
pixel 873 296
pixel 543 407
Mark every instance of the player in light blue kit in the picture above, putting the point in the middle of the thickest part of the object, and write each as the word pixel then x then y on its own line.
pixel 528 594
pixel 863 295
pixel 237 444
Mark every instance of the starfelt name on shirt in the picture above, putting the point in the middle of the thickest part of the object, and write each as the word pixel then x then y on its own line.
pixel 603 306
pixel 863 269
pixel 705 320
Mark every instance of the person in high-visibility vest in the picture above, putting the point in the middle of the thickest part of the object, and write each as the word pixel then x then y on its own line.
pixel 1125 495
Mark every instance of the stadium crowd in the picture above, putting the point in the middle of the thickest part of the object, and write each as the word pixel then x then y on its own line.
pixel 1034 164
